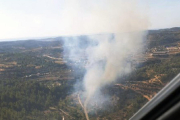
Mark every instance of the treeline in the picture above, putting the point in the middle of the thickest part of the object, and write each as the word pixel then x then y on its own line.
pixel 20 99
pixel 168 68
pixel 16 46
pixel 27 64
pixel 163 37
pixel 29 100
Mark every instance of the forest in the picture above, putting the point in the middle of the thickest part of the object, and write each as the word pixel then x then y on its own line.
pixel 36 87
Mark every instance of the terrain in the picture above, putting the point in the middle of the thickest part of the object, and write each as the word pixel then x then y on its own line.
pixel 38 81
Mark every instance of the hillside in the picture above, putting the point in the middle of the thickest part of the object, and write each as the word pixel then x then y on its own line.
pixel 38 81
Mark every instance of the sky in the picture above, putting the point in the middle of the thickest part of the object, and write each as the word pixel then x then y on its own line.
pixel 46 18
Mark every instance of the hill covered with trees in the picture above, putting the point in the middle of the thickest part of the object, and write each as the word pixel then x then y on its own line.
pixel 38 83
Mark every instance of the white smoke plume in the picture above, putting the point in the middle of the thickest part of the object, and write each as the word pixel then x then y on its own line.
pixel 103 16
pixel 108 56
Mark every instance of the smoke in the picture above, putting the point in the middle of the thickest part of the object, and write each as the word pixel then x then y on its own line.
pixel 103 16
pixel 107 57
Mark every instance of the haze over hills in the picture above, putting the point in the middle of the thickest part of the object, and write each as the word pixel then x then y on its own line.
pixel 38 80
pixel 60 38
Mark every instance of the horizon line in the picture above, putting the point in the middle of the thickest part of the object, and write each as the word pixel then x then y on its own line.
pixel 49 37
